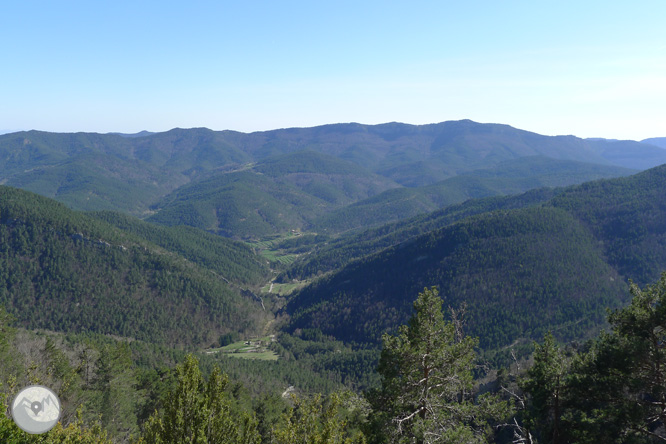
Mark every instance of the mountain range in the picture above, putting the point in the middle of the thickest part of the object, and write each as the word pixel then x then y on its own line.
pixel 656 141
pixel 321 178
pixel 486 212
pixel 284 258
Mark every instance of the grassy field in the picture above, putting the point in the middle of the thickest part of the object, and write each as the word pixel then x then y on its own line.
pixel 276 256
pixel 268 248
pixel 250 349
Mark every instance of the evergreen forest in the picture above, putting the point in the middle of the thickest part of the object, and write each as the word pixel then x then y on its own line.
pixel 448 283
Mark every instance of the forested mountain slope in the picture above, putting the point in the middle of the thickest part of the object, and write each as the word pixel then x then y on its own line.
pixel 66 271
pixel 283 193
pixel 521 272
pixel 334 253
pixel 108 171
pixel 509 177
pixel 628 217
pixel 114 172
pixel 316 192
pixel 234 261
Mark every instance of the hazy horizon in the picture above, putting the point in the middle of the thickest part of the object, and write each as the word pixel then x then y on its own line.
pixel 3 132
pixel 586 69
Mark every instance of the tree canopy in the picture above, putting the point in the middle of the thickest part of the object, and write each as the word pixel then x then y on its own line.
pixel 427 381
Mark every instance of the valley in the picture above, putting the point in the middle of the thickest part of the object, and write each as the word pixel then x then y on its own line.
pixel 275 216
pixel 288 258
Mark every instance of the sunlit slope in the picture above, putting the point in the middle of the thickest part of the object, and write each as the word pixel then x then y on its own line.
pixel 520 272
pixel 66 271
pixel 556 266
pixel 509 177
pixel 234 261
pixel 332 254
pixel 283 193
pixel 92 171
pixel 129 173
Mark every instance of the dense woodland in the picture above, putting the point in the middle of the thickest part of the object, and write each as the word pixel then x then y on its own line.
pixel 609 389
pixel 318 170
pixel 339 284
pixel 571 253
pixel 66 271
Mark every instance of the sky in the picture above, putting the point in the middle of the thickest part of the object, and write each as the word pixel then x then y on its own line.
pixel 587 68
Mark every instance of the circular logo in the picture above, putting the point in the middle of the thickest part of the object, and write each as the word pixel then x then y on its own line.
pixel 36 409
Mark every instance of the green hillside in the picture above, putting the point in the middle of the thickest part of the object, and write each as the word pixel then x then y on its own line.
pixel 241 204
pixel 102 183
pixel 311 191
pixel 66 271
pixel 521 273
pixel 281 194
pixel 89 171
pixel 331 254
pixel 511 177
pixel 92 171
pixel 627 215
pixel 556 266
pixel 307 161
pixel 231 260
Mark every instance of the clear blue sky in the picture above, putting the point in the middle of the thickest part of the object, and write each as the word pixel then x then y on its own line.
pixel 588 68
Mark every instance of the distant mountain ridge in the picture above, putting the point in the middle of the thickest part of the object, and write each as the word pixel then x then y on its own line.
pixel 132 135
pixel 656 141
pixel 131 173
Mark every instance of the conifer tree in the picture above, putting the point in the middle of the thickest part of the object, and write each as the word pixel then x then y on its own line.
pixel 200 412
pixel 618 388
pixel 314 421
pixel 545 385
pixel 427 383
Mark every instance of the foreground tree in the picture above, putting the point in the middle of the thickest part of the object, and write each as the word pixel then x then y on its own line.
pixel 544 385
pixel 315 421
pixel 427 383
pixel 618 388
pixel 200 412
